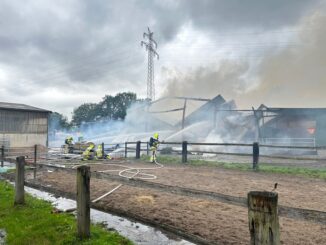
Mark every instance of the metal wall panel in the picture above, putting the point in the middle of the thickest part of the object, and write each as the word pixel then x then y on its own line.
pixel 23 122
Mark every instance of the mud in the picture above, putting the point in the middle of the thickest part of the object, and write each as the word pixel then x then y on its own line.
pixel 214 221
pixel 134 231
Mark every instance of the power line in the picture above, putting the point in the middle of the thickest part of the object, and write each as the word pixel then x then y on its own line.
pixel 150 46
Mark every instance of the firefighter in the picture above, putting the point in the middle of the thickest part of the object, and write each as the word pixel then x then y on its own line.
pixel 89 152
pixel 153 143
pixel 99 153
pixel 69 145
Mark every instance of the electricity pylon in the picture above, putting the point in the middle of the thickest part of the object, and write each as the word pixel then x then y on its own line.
pixel 151 47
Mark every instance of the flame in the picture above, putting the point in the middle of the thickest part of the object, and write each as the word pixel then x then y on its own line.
pixel 311 130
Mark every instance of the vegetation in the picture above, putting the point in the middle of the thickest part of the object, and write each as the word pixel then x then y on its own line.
pixel 58 121
pixel 263 167
pixel 35 223
pixel 110 108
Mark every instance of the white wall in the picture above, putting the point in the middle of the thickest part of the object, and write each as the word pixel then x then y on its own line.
pixel 26 140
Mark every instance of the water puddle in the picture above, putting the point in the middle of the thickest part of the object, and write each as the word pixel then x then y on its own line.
pixel 3 235
pixel 136 232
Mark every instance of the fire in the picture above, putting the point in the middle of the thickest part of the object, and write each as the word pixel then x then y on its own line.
pixel 311 130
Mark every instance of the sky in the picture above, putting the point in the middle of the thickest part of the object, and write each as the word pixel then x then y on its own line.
pixel 59 54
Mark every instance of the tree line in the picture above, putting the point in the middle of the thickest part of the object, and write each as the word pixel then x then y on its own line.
pixel 109 108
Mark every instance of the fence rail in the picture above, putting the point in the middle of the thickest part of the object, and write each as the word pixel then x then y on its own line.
pixel 290 141
pixel 184 150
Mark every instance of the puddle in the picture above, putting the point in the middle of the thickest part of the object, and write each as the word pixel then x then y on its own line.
pixel 3 235
pixel 136 232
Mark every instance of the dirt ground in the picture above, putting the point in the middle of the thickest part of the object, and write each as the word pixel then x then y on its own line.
pixel 212 220
pixel 293 191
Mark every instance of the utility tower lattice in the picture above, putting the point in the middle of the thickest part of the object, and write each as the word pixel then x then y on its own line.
pixel 151 47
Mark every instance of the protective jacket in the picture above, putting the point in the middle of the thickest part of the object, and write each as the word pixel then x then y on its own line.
pixel 99 152
pixel 87 154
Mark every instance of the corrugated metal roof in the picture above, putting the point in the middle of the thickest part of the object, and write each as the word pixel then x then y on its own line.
pixel 293 110
pixel 20 107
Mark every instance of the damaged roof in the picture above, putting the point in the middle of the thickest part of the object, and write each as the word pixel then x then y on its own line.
pixel 205 111
pixel 21 107
pixel 294 110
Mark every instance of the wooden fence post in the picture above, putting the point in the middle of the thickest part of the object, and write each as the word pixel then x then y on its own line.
pixel 35 160
pixel 263 218
pixel 126 149
pixel 138 145
pixel 255 155
pixel 19 182
pixel 2 155
pixel 83 201
pixel 147 148
pixel 184 151
pixel 103 152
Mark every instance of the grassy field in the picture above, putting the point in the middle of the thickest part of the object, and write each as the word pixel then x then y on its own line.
pixel 35 223
pixel 263 167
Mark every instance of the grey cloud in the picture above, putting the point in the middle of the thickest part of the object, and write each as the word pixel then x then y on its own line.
pixel 71 44
pixel 238 14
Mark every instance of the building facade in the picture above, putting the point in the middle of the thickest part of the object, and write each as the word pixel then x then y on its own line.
pixel 293 126
pixel 22 125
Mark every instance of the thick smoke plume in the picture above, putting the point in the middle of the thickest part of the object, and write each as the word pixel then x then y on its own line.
pixel 207 82
pixel 294 76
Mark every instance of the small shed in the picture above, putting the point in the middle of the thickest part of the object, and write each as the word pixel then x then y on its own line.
pixel 23 125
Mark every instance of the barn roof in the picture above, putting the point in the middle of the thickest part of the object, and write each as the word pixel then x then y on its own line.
pixel 296 111
pixel 21 107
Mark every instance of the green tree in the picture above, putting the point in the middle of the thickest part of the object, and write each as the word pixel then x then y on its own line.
pixel 115 107
pixel 110 108
pixel 58 121
pixel 87 112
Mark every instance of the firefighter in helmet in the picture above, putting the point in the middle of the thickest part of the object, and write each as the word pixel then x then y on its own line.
pixel 99 153
pixel 69 145
pixel 88 154
pixel 153 143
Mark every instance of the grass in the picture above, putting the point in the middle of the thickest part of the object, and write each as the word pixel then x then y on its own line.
pixel 34 223
pixel 319 173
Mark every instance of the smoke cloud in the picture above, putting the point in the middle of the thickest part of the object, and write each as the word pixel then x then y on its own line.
pixel 293 76
pixel 225 78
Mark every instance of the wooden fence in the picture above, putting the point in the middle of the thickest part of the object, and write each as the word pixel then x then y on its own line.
pixel 183 149
pixel 262 207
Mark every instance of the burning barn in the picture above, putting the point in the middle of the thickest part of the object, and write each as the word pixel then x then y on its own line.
pixel 218 120
pixel 292 126
pixel 22 125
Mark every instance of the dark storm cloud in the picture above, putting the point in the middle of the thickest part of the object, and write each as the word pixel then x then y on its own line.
pixel 73 32
pixel 73 44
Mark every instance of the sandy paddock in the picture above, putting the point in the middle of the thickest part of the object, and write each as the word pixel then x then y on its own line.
pixel 212 220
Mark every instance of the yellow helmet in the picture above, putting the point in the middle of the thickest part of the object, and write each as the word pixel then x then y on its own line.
pixel 156 136
pixel 91 144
